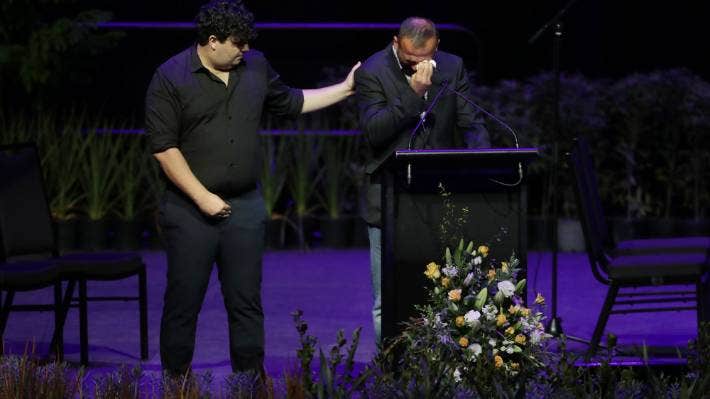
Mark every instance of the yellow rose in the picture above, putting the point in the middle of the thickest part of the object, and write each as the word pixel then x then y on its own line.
pixel 455 295
pixel 520 339
pixel 460 321
pixel 445 282
pixel 539 299
pixel 513 309
pixel 463 342
pixel 515 366
pixel 491 274
pixel 509 331
pixel 501 320
pixel 499 361
pixel 432 271
pixel 504 267
pixel 483 250
pixel 525 312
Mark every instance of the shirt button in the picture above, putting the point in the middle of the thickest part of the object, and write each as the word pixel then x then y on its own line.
pixel 231 165
pixel 231 141
pixel 229 117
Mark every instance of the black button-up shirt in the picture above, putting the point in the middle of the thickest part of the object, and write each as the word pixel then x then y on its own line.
pixel 214 125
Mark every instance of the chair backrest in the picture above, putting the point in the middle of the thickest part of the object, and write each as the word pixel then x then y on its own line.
pixel 586 166
pixel 25 220
pixel 591 223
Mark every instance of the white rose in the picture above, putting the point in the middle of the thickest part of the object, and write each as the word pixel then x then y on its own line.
pixel 477 260
pixel 450 271
pixel 468 279
pixel 457 375
pixel 492 342
pixel 507 288
pixel 472 316
pixel 476 349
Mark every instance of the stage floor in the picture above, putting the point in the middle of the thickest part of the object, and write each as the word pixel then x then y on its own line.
pixel 332 287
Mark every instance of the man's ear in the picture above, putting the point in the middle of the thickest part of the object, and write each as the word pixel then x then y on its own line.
pixel 395 42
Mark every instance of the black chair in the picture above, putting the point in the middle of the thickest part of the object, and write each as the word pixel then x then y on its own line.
pixel 28 223
pixel 585 169
pixel 647 269
pixel 24 275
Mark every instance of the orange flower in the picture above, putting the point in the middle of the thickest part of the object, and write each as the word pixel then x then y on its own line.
pixel 515 366
pixel 499 361
pixel 463 342
pixel 432 271
pixel 510 331
pixel 504 267
pixel 460 321
pixel 483 250
pixel 520 339
pixel 513 309
pixel 539 299
pixel 501 320
pixel 455 295
pixel 491 274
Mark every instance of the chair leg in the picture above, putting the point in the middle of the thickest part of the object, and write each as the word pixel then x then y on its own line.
pixel 702 295
pixel 143 312
pixel 5 313
pixel 57 345
pixel 66 304
pixel 603 318
pixel 83 324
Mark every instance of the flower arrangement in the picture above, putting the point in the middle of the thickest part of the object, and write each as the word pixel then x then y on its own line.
pixel 478 313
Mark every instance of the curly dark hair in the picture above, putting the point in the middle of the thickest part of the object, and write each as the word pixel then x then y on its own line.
pixel 224 19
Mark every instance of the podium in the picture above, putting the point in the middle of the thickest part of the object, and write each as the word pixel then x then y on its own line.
pixel 482 180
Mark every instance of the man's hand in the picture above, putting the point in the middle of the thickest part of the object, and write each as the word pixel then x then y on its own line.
pixel 421 79
pixel 350 79
pixel 214 206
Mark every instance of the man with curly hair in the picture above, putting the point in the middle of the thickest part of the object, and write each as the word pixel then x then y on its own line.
pixel 203 107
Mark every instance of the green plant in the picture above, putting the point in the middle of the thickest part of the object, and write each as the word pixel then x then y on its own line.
pixel 338 152
pixel 62 158
pixel 100 173
pixel 131 170
pixel 332 382
pixel 274 171
pixel 303 179
pixel 26 377
pixel 122 383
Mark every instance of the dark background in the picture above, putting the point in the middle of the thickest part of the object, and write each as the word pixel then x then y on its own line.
pixel 601 39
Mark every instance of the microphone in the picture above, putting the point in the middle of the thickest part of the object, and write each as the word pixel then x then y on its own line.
pixel 422 118
pixel 505 125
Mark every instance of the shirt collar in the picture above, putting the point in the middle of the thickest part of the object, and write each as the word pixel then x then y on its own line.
pixel 396 58
pixel 195 63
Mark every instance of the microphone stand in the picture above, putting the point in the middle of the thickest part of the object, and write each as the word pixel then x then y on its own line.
pixel 422 119
pixel 554 326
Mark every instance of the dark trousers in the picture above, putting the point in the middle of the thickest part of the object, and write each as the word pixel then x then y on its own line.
pixel 193 243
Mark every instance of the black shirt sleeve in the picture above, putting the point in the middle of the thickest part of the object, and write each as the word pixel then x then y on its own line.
pixel 162 110
pixel 280 98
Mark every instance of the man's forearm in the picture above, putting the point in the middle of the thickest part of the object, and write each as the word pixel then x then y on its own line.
pixel 315 99
pixel 178 171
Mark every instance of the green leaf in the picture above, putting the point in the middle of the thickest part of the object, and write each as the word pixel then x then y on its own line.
pixel 325 387
pixel 469 249
pixel 520 286
pixel 481 298
pixel 499 297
